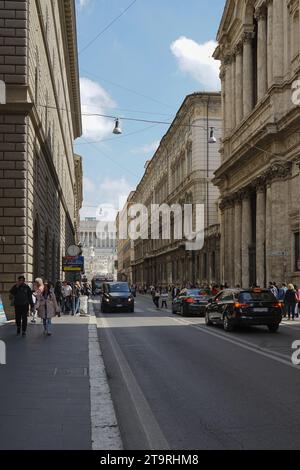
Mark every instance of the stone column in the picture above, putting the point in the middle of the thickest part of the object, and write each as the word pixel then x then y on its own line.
pixel 238 242
pixel 223 96
pixel 222 247
pixel 232 94
pixel 262 65
pixel 260 235
pixel 248 97
pixel 239 83
pixel 228 95
pixel 278 40
pixel 246 238
pixel 270 42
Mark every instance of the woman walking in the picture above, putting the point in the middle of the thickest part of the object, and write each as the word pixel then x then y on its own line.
pixel 47 308
pixel 290 301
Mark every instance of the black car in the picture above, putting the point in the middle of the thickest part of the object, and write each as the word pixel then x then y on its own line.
pixel 116 296
pixel 234 307
pixel 191 302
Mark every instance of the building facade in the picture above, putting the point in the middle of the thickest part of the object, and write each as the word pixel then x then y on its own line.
pixel 125 246
pixel 180 173
pixel 40 180
pixel 259 178
pixel 99 248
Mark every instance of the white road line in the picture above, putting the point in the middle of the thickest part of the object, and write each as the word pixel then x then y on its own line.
pixel 105 429
pixel 154 435
pixel 243 344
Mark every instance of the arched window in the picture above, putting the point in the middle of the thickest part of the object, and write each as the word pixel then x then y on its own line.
pixel 36 249
pixel 295 32
pixel 46 255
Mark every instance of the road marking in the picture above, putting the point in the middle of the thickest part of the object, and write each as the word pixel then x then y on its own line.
pixel 154 435
pixel 242 344
pixel 105 429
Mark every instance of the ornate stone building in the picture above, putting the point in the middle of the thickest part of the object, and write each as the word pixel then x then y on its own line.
pixel 259 179
pixel 40 180
pixel 180 173
pixel 99 248
pixel 125 247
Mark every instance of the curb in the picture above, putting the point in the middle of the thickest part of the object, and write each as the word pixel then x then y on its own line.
pixel 105 430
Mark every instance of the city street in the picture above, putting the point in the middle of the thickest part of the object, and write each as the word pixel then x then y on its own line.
pixel 177 384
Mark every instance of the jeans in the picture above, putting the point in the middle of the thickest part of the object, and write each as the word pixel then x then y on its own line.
pixel 47 324
pixel 164 304
pixel 66 305
pixel 21 317
pixel 76 305
pixel 290 309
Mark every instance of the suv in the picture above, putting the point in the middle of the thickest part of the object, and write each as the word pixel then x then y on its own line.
pixel 234 307
pixel 117 295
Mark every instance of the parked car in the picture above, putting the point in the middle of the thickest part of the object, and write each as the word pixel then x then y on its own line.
pixel 117 296
pixel 234 307
pixel 191 302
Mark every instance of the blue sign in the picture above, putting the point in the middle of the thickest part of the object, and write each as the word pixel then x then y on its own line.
pixel 3 318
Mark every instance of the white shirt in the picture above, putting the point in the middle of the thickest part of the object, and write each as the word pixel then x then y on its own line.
pixel 66 291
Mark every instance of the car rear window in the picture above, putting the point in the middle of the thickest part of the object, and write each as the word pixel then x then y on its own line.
pixel 196 293
pixel 256 297
pixel 118 288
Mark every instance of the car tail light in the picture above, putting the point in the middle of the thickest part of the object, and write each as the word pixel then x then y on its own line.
pixel 239 305
pixel 277 305
pixel 190 300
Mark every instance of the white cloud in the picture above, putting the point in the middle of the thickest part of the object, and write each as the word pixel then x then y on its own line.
pixel 196 60
pixel 147 149
pixel 83 4
pixel 107 193
pixel 95 100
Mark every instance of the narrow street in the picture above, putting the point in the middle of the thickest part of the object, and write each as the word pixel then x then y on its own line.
pixel 178 384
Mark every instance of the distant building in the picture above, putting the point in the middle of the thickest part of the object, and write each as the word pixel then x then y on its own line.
pixel 180 172
pixel 99 248
pixel 40 178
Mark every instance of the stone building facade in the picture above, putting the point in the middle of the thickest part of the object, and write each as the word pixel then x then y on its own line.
pixel 125 246
pixel 99 248
pixel 40 181
pixel 180 173
pixel 259 178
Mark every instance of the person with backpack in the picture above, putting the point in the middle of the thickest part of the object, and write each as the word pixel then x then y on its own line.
pixel 290 301
pixel 21 296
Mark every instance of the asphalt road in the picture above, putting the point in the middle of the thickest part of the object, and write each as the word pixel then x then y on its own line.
pixel 177 384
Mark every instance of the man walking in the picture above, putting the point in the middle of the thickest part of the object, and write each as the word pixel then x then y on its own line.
pixel 21 295
pixel 67 297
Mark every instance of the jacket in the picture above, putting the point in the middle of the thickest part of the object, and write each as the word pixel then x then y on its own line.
pixel 47 307
pixel 22 296
pixel 290 297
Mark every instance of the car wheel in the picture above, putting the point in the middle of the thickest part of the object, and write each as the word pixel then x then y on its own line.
pixel 227 324
pixel 207 320
pixel 273 328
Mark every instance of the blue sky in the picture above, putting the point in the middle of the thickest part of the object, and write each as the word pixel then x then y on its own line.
pixel 142 67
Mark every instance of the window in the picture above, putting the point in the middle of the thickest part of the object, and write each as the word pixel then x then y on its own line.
pixel 297 251
pixel 189 160
pixel 295 32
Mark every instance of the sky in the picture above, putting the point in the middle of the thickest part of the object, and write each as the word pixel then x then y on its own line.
pixel 141 67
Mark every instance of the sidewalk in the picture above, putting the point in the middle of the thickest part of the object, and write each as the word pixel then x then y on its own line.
pixel 45 389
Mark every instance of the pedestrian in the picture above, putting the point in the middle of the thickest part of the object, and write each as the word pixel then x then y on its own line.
pixel 21 296
pixel 67 297
pixel 290 301
pixel 47 308
pixel 297 303
pixel 76 298
pixel 59 295
pixel 156 298
pixel 38 290
pixel 164 297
